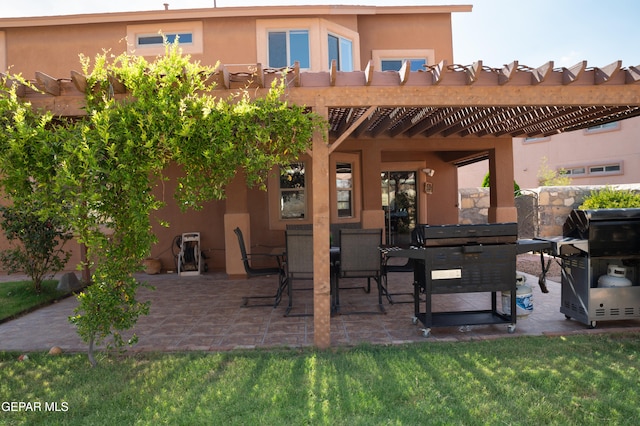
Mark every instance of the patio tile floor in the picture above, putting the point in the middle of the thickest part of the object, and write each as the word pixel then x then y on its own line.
pixel 204 313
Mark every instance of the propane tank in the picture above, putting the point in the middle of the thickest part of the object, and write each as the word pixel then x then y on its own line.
pixel 616 277
pixel 524 298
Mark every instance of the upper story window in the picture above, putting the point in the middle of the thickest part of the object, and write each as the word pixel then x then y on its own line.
pixel 313 42
pixel 392 60
pixel 395 64
pixel 340 50
pixel 148 39
pixel 288 46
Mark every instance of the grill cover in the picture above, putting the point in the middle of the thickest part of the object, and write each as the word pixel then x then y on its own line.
pixel 609 232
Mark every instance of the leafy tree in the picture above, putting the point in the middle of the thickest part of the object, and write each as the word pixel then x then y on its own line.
pixel 40 251
pixel 97 172
pixel 486 182
pixel 550 177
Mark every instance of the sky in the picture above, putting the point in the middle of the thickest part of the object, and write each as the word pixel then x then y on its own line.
pixel 497 32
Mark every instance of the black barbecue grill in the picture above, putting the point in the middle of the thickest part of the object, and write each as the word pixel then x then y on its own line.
pixel 593 243
pixel 463 259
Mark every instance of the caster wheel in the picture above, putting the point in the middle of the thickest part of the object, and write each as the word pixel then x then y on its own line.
pixel 414 320
pixel 592 325
pixel 511 328
pixel 426 332
pixel 567 317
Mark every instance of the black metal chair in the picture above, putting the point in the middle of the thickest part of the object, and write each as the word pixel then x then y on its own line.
pixel 360 258
pixel 407 267
pixel 262 272
pixel 299 261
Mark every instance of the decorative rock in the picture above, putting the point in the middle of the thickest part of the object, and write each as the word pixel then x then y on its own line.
pixel 69 283
pixel 56 350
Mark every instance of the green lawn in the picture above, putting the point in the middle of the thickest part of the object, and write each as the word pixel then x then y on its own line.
pixel 19 296
pixel 578 380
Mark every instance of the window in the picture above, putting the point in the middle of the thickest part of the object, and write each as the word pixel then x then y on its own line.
pixel 287 47
pixel 340 50
pixel 396 64
pixel 147 39
pixel 536 139
pixel 183 38
pixel 575 171
pixel 392 60
pixel 313 42
pixel 609 168
pixel 607 127
pixel 292 191
pixel 344 189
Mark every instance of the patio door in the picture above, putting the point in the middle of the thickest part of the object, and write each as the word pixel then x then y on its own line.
pixel 399 202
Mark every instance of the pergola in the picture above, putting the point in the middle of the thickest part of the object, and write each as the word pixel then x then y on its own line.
pixel 463 102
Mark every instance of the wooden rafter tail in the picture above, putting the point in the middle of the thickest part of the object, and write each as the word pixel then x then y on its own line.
pixel 368 74
pixel 541 73
pixel 438 72
pixel 80 81
pixel 50 84
pixel 296 74
pixel 259 75
pixel 117 85
pixel 18 86
pixel 604 74
pixel 473 72
pixel 632 75
pixel 507 72
pixel 405 71
pixel 572 74
pixel 333 71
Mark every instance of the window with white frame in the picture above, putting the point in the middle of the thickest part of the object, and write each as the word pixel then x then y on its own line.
pixel 148 39
pixel 392 60
pixel 416 64
pixel 613 168
pixel 313 42
pixel 340 50
pixel 288 46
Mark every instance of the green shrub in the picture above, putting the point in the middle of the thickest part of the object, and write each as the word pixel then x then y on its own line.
pixel 485 184
pixel 610 198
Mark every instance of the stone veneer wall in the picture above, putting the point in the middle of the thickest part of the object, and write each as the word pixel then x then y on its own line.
pixel 554 204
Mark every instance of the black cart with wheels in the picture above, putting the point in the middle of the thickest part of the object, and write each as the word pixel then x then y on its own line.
pixel 464 259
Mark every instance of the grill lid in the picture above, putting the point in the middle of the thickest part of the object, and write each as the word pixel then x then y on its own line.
pixel 610 232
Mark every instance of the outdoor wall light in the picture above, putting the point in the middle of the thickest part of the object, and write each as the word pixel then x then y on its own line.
pixel 429 172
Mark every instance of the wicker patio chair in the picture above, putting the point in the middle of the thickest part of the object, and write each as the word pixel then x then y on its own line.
pixel 359 258
pixel 299 261
pixel 262 272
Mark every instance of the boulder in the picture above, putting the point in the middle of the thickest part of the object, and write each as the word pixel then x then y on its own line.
pixel 69 283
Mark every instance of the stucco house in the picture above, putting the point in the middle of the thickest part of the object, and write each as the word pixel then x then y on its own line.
pixel 403 116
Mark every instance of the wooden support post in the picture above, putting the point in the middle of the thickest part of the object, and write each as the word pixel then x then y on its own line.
pixel 321 219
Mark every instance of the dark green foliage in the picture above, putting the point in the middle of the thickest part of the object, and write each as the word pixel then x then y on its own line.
pixel 486 184
pixel 40 251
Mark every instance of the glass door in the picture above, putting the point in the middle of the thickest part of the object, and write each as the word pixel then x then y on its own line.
pixel 399 203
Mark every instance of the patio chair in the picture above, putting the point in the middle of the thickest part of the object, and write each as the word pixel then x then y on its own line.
pixel 299 261
pixel 262 272
pixel 408 267
pixel 360 258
